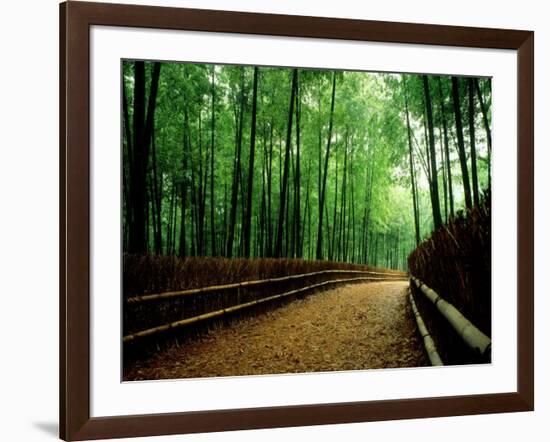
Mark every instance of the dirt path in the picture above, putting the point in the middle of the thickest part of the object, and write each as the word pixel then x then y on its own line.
pixel 356 326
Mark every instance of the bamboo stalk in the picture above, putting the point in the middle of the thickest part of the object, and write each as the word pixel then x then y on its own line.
pixel 217 288
pixel 221 312
pixel 472 336
pixel 429 344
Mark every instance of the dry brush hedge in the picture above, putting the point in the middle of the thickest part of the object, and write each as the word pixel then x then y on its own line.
pixel 146 275
pixel 456 262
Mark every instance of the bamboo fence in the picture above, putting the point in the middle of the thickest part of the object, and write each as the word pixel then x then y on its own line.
pixel 478 341
pixel 429 344
pixel 231 309
pixel 455 261
pixel 246 284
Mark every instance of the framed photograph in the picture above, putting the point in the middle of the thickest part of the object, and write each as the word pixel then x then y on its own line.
pixel 272 220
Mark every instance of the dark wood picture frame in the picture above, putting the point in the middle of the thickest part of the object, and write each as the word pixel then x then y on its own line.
pixel 75 21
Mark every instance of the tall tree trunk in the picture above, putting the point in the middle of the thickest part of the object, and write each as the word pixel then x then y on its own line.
pixel 446 142
pixel 184 183
pixel 242 200
pixel 127 171
pixel 309 239
pixel 283 196
pixel 288 230
pixel 433 164
pixel 343 227
pixel 297 199
pixel 193 211
pixel 236 174
pixel 142 131
pixel 306 215
pixel 368 205
pixel 269 189
pixel 327 247
pixel 427 147
pixel 487 130
pixel 223 243
pixel 443 175
pixel 352 212
pixel 151 212
pixel 332 245
pixel 172 251
pixel 411 162
pixel 319 141
pixel 263 203
pixel 169 235
pixel 201 194
pixel 137 227
pixel 212 153
pixel 364 226
pixel 157 197
pixel 472 127
pixel 460 143
pixel 248 219
pixel 319 253
pixel 375 257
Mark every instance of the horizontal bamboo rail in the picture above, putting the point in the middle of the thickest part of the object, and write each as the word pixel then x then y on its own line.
pixel 224 311
pixel 472 336
pixel 244 284
pixel 429 344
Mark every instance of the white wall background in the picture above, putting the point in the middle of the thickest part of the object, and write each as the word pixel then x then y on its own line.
pixel 29 217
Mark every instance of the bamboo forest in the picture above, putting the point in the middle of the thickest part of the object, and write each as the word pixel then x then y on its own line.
pixel 251 183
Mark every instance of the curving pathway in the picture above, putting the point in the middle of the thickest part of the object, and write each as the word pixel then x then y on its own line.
pixel 353 327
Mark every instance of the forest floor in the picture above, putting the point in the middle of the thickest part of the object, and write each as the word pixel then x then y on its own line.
pixel 353 327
